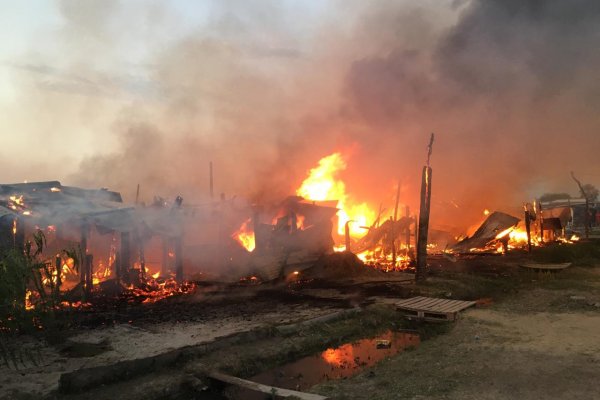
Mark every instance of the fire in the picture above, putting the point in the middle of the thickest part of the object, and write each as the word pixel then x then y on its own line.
pixel 323 184
pixel 486 212
pixel 54 189
pixel 245 236
pixel 28 303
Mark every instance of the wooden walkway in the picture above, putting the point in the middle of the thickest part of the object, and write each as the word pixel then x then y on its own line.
pixel 432 309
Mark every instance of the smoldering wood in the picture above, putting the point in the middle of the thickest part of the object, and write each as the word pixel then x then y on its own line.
pixel 487 232
pixel 376 235
pixel 423 223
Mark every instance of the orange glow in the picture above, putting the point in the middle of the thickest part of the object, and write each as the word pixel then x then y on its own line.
pixel 341 356
pixel 245 236
pixel 486 212
pixel 28 304
pixel 323 184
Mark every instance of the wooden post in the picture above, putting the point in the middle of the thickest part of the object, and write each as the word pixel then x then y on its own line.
pixel 89 260
pixel 83 246
pixel 347 235
pixel 423 224
pixel 393 230
pixel 125 256
pixel 118 271
pixel 407 215
pixel 58 266
pixel 178 259
pixel 137 194
pixel 165 257
pixel 528 227
pixel 210 173
pixel 541 223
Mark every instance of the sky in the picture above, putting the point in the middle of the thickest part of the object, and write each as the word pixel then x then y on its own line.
pixel 114 93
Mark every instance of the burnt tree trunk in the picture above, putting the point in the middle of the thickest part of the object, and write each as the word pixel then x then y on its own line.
pixel 423 224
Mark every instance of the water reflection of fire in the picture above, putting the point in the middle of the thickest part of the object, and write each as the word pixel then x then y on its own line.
pixel 343 355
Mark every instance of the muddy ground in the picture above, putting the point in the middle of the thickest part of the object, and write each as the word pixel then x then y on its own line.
pixel 536 335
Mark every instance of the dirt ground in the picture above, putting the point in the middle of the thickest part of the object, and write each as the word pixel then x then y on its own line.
pixel 541 341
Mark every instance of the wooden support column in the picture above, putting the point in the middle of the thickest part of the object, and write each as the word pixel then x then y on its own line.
pixel 125 256
pixel 58 266
pixel 393 230
pixel 347 235
pixel 83 245
pixel 407 215
pixel 165 257
pixel 528 227
pixel 423 224
pixel 89 260
pixel 179 259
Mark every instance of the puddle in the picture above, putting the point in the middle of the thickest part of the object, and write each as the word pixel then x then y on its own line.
pixel 336 363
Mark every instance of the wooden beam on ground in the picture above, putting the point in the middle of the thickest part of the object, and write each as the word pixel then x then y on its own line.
pixel 259 387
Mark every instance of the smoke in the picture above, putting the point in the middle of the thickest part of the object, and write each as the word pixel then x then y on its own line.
pixel 265 89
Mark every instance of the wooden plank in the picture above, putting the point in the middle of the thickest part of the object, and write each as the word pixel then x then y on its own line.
pixel 411 301
pixel 425 302
pixel 259 387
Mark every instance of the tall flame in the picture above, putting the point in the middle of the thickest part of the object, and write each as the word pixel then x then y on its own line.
pixel 323 184
pixel 245 236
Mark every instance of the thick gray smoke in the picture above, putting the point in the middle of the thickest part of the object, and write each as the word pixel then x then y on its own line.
pixel 509 87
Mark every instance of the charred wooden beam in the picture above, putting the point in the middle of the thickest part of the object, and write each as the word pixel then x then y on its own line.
pixel 393 234
pixel 407 215
pixel 423 224
pixel 179 259
pixel 83 244
pixel 165 256
pixel 425 207
pixel 89 260
pixel 125 259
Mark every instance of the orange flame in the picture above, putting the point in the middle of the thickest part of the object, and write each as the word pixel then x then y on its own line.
pixel 245 236
pixel 323 184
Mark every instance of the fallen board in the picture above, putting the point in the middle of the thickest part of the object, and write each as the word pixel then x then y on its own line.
pixel 432 309
pixel 259 387
pixel 544 267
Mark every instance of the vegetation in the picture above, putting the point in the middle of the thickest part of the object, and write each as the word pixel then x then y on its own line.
pixel 28 287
